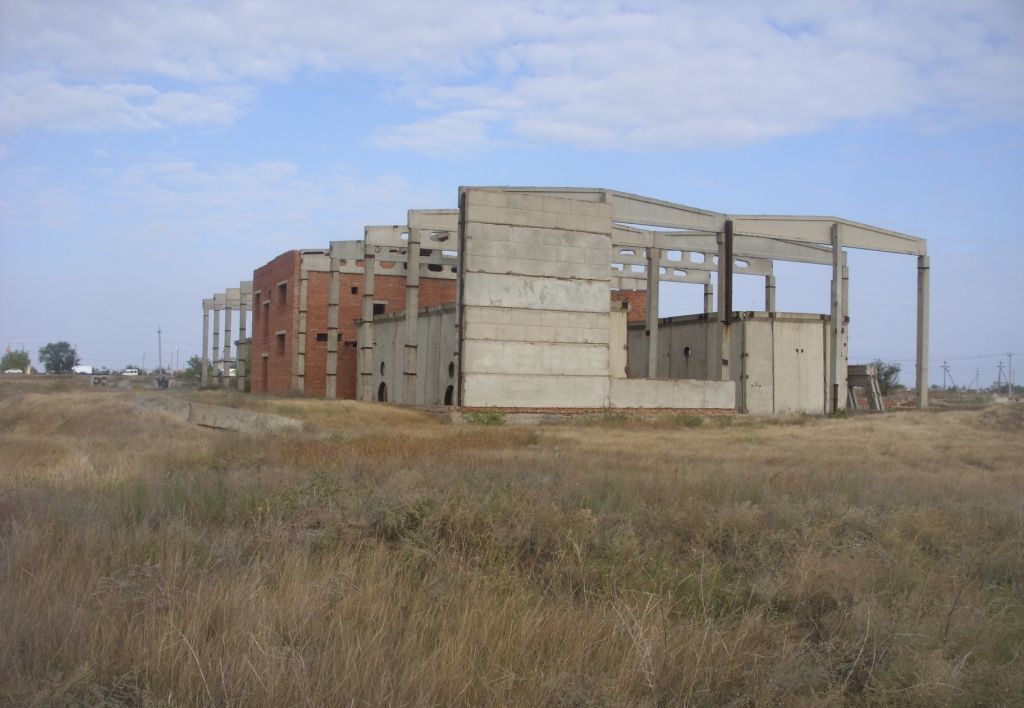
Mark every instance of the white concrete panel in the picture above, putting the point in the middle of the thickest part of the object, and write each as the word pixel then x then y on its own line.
pixel 648 393
pixel 535 293
pixel 544 359
pixel 511 391
pixel 537 268
pixel 757 385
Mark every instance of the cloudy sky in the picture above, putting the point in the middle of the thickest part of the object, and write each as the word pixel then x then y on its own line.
pixel 154 152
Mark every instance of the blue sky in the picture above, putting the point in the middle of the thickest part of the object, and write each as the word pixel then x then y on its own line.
pixel 153 153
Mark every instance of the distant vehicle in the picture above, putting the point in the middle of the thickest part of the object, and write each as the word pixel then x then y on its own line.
pixel 130 372
pixel 82 369
pixel 14 371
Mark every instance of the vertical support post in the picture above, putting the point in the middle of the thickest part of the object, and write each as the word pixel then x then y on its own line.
pixel 412 310
pixel 244 305
pixel 366 325
pixel 837 326
pixel 922 331
pixel 204 370
pixel 216 337
pixel 653 279
pixel 226 357
pixel 299 356
pixel 769 294
pixel 333 295
pixel 725 267
pixel 709 298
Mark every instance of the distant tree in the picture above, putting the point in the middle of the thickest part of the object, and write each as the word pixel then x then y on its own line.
pixel 888 376
pixel 14 360
pixel 193 368
pixel 58 357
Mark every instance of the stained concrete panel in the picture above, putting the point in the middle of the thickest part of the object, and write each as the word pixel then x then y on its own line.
pixel 535 293
pixel 650 393
pixel 530 391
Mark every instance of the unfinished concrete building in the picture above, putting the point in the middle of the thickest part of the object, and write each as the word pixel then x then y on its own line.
pixel 532 328
pixel 530 298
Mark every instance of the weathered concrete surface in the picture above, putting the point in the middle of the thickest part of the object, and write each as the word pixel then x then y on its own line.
pixel 209 416
pixel 653 393
pixel 535 294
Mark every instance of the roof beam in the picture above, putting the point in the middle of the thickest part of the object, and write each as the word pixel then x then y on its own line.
pixel 818 230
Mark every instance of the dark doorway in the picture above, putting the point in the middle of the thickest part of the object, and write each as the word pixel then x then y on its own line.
pixel 382 393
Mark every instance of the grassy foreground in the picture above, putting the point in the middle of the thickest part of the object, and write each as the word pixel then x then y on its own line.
pixel 383 558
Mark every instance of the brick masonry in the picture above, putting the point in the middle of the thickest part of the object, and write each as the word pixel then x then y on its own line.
pixel 273 371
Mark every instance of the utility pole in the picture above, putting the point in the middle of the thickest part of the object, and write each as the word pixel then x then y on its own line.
pixel 159 350
pixel 999 376
pixel 143 361
pixel 946 374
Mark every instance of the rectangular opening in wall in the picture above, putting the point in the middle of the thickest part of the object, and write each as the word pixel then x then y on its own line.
pixel 355 290
pixel 280 342
pixel 282 292
pixel 321 336
pixel 378 308
pixel 266 318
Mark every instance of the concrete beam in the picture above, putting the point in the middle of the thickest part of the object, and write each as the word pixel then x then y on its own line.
pixel 818 229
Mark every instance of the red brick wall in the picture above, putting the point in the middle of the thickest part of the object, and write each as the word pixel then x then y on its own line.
pixel 275 368
pixel 388 289
pixel 637 300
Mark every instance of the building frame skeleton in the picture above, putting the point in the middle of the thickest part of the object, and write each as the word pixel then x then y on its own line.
pixel 645 242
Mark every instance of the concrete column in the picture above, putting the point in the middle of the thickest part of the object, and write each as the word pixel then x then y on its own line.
pixel 653 279
pixel 204 356
pixel 709 298
pixel 769 293
pixel 837 327
pixel 299 359
pixel 245 304
pixel 333 295
pixel 922 331
pixel 366 328
pixel 216 338
pixel 227 339
pixel 725 262
pixel 412 310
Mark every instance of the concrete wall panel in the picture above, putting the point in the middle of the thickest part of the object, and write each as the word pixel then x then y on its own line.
pixel 541 358
pixel 528 391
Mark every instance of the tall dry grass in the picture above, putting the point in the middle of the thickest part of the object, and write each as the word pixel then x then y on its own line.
pixel 382 558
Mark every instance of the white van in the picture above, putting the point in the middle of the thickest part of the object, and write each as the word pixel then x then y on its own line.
pixel 82 369
pixel 130 372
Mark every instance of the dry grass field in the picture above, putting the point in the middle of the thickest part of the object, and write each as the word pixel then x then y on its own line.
pixel 383 558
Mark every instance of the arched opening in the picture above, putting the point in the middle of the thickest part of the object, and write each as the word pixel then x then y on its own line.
pixel 451 369
pixel 382 393
pixel 449 395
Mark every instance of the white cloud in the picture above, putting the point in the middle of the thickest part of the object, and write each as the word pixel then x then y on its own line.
pixel 634 75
